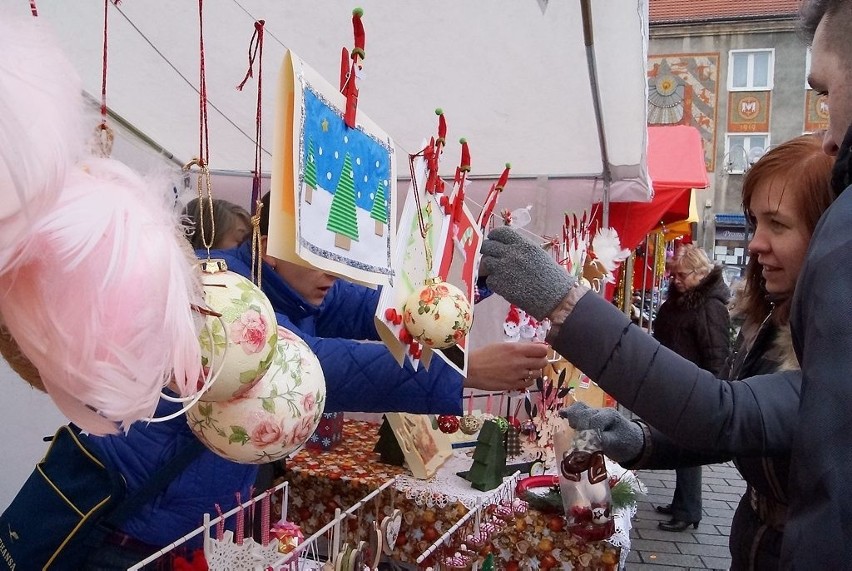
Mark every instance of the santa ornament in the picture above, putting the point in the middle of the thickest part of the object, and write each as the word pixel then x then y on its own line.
pixel 512 325
pixel 437 315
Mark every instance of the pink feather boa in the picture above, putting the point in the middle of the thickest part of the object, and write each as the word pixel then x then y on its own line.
pixel 41 117
pixel 99 298
pixel 96 279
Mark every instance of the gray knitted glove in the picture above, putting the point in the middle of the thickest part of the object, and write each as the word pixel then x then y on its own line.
pixel 523 273
pixel 622 439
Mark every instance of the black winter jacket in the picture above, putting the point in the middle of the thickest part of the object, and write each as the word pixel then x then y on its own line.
pixel 695 324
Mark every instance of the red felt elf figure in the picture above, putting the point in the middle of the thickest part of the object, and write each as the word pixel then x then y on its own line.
pixel 348 80
pixel 434 184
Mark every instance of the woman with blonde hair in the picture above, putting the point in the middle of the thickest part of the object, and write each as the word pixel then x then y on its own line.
pixel 694 323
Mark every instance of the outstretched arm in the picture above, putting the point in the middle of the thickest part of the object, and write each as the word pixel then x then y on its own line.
pixel 686 403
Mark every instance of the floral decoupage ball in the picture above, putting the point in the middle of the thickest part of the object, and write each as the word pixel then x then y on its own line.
pixel 272 418
pixel 240 344
pixel 438 315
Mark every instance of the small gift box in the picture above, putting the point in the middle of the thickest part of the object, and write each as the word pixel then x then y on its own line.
pixel 328 434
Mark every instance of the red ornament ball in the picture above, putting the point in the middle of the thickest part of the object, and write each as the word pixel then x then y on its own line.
pixel 448 423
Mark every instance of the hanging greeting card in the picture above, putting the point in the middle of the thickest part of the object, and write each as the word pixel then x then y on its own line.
pixel 423 230
pixel 465 238
pixel 333 186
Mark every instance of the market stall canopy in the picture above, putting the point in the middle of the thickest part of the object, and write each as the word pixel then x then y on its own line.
pixel 676 165
pixel 678 228
pixel 510 76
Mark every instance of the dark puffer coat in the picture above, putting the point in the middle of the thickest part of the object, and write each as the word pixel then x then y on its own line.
pixel 695 324
pixel 757 527
pixel 720 419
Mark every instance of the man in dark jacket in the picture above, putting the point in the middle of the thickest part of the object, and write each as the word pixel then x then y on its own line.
pixel 753 417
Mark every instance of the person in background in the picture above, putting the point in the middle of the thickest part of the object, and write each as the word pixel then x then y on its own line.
pixel 694 323
pixel 226 223
pixel 752 417
pixel 784 194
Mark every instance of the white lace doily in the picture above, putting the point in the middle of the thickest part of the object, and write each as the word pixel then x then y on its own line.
pixel 227 555
pixel 446 487
pixel 623 516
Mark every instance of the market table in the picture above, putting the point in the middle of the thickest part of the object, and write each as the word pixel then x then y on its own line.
pixel 322 481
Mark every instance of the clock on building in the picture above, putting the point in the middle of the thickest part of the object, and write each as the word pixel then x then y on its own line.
pixel 665 97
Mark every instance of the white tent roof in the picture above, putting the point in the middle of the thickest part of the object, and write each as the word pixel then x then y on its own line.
pixel 511 77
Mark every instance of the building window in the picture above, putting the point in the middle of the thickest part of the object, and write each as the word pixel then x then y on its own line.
pixel 751 70
pixel 742 151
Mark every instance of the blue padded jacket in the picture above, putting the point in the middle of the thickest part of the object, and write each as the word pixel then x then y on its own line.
pixel 360 376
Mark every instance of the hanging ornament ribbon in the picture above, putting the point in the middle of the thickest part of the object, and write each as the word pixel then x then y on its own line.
pixel 203 131
pixel 420 221
pixel 255 53
pixel 204 184
pixel 33 8
pixel 104 136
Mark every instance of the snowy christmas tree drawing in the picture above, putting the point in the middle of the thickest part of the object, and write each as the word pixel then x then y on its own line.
pixel 379 212
pixel 342 216
pixel 310 173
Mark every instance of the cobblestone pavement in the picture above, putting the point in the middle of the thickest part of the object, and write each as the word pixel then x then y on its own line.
pixel 704 548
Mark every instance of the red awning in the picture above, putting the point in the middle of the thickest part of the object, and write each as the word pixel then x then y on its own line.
pixel 675 165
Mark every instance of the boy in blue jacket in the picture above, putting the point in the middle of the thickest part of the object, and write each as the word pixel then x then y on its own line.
pixel 335 318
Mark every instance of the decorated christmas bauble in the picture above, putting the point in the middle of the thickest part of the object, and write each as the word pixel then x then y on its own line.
pixel 438 315
pixel 470 424
pixel 241 343
pixel 272 418
pixel 448 423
